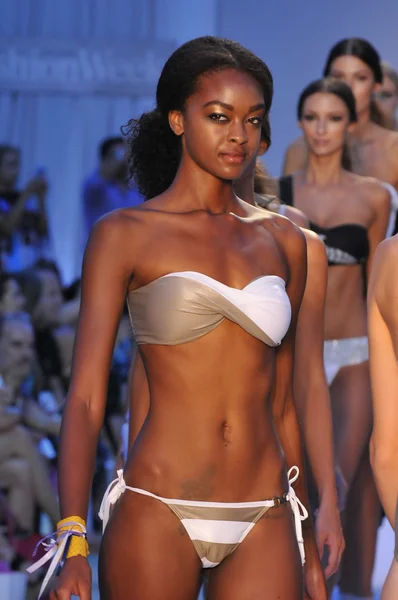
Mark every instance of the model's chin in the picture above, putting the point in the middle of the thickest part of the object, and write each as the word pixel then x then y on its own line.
pixel 232 169
pixel 325 150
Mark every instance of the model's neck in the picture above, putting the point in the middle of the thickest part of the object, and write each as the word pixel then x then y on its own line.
pixel 363 124
pixel 324 170
pixel 199 190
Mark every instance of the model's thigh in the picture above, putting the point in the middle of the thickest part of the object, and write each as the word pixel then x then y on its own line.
pixel 146 554
pixel 266 565
pixel 352 416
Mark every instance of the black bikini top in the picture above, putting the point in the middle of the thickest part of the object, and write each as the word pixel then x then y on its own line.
pixel 346 244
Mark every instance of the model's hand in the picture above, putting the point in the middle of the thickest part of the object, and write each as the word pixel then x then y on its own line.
pixel 314 578
pixel 75 578
pixel 329 533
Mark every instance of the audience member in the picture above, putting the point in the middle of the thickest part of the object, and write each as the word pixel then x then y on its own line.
pixel 70 294
pixel 107 188
pixel 11 298
pixel 22 470
pixel 17 374
pixel 23 220
pixel 42 290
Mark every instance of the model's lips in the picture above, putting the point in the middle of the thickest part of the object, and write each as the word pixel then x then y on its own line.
pixel 235 158
pixel 321 142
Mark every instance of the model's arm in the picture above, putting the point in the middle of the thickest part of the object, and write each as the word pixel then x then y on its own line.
pixel 383 344
pixel 284 410
pixel 283 407
pixel 377 230
pixel 138 394
pixel 313 402
pixel 295 157
pixel 106 273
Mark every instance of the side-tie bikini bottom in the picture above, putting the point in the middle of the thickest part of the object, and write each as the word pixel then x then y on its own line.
pixel 215 528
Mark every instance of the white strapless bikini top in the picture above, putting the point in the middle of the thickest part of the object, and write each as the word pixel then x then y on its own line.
pixel 181 307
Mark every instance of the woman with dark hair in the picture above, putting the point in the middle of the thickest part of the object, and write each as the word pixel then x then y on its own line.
pixel 372 147
pixel 204 274
pixel 11 298
pixel 311 391
pixel 350 212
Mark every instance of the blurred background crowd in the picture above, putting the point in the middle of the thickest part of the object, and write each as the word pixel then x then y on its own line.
pixel 62 166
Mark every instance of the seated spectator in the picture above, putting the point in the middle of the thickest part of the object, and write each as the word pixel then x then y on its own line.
pixel 107 188
pixel 11 298
pixel 70 294
pixel 22 470
pixel 23 220
pixel 18 375
pixel 42 291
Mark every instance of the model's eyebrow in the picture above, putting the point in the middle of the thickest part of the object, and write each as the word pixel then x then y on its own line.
pixel 230 107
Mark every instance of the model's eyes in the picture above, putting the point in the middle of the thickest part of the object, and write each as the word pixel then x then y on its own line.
pixel 334 118
pixel 255 120
pixel 385 95
pixel 337 75
pixel 221 118
pixel 218 117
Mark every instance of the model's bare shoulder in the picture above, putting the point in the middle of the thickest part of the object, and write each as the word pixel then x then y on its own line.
pixel 290 236
pixel 114 244
pixel 386 256
pixel 384 279
pixel 391 137
pixel 393 151
pixel 372 190
pixel 297 216
pixel 315 246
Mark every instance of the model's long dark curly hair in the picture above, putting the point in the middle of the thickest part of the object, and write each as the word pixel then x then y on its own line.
pixel 154 150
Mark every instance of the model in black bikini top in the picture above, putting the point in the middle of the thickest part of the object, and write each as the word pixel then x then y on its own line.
pixel 346 244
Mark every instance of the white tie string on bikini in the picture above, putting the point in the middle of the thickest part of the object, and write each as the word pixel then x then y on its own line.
pixel 55 550
pixel 113 492
pixel 299 511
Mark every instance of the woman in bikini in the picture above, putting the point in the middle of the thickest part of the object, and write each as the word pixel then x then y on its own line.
pixel 372 148
pixel 350 212
pixel 311 391
pixel 214 286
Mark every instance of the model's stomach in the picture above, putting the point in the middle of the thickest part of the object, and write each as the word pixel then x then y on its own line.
pixel 345 311
pixel 209 434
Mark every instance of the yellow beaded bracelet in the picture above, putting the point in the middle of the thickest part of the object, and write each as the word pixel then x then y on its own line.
pixel 78 545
